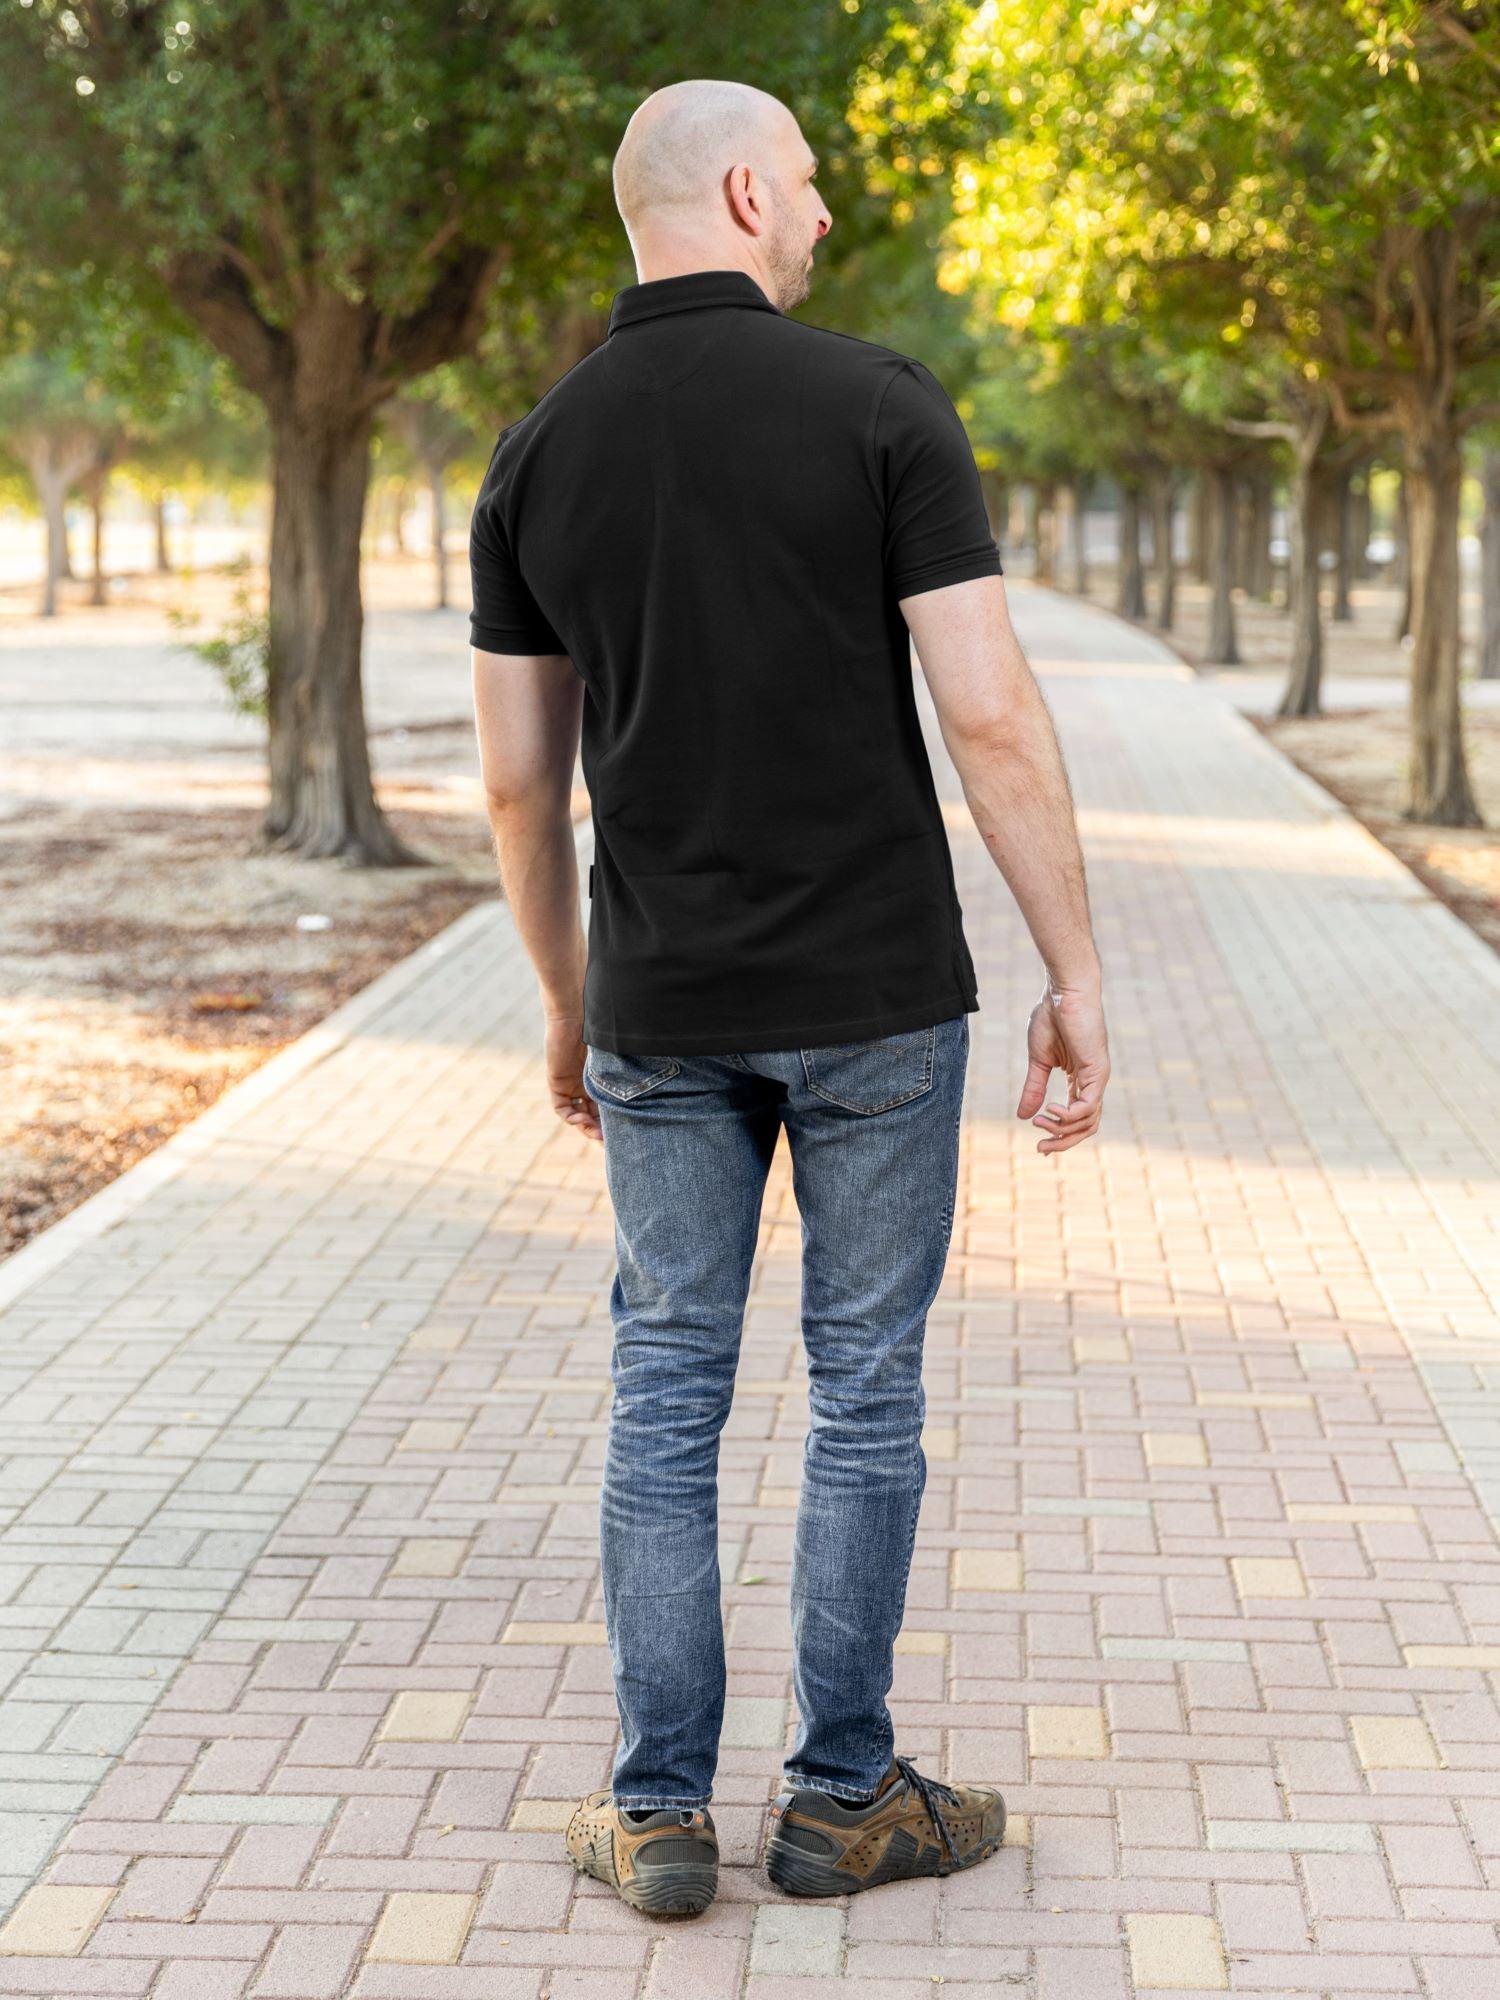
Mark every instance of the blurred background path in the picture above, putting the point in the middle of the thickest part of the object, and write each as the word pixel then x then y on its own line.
pixel 303 1659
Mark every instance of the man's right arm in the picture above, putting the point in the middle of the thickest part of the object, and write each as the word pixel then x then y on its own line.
pixel 999 733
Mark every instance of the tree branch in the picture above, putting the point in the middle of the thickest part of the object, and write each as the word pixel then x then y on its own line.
pixel 1443 21
pixel 447 324
pixel 1361 420
pixel 1266 427
pixel 215 294
pixel 1477 414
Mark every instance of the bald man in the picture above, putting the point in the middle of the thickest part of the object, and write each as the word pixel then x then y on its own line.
pixel 708 549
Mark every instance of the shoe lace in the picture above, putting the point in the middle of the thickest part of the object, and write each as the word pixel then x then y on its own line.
pixel 930 1791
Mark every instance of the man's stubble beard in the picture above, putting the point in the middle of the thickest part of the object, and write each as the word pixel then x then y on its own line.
pixel 787 255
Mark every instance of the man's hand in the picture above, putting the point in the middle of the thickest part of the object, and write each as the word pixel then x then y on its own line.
pixel 565 1051
pixel 1066 1031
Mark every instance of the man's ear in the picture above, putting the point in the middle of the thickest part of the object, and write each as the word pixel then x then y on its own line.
pixel 739 184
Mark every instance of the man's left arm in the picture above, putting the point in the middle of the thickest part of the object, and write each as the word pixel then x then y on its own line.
pixel 528 709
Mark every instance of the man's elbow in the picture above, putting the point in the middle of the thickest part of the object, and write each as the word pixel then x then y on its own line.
pixel 516 793
pixel 990 732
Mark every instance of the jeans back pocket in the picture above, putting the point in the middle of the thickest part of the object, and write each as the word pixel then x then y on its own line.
pixel 872 1076
pixel 625 1077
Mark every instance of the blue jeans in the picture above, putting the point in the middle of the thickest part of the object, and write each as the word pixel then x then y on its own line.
pixel 872 1128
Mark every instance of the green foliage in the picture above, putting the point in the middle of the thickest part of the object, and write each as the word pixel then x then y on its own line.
pixel 1208 170
pixel 328 144
pixel 240 654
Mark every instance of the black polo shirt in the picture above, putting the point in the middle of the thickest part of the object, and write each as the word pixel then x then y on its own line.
pixel 715 514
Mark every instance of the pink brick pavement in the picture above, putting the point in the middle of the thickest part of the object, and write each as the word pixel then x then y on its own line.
pixel 299 1543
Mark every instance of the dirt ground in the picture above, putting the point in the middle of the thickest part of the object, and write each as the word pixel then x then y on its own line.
pixel 147 961
pixel 1358 750
pixel 148 958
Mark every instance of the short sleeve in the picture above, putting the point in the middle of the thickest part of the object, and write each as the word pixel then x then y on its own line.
pixel 506 618
pixel 936 529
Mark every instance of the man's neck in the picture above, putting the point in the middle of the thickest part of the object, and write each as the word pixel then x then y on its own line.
pixel 685 263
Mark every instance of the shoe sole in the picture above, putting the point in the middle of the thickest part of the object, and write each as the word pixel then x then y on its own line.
pixel 678 1889
pixel 797 1873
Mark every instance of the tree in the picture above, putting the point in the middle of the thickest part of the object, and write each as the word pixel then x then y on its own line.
pixel 199 428
pixel 335 196
pixel 436 436
pixel 60 424
pixel 1335 170
pixel 1489 639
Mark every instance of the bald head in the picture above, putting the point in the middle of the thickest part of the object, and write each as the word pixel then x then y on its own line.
pixel 714 176
pixel 684 139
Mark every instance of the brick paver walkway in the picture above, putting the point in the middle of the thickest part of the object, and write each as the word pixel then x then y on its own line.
pixel 302 1651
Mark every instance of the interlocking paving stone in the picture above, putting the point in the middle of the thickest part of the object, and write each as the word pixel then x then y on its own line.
pixel 1249 1836
pixel 1175 1951
pixel 420 1927
pixel 988 1569
pixel 426 1716
pixel 304 1426
pixel 1176 1448
pixel 1268 1576
pixel 53 1922
pixel 1067 1732
pixel 806 1941
pixel 1394 1743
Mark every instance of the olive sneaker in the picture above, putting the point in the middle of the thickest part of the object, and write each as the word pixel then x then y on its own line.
pixel 819 1846
pixel 666 1862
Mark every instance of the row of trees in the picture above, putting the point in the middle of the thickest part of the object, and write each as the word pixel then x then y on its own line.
pixel 1173 240
pixel 65 430
pixel 1212 226
pixel 340 200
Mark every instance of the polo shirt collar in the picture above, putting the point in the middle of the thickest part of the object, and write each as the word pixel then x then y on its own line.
pixel 689 293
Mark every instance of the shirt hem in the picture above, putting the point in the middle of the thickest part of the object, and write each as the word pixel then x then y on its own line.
pixel 488 639
pixel 763 1041
pixel 963 571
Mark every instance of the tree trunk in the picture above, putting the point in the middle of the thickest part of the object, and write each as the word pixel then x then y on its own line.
pixel 1489 566
pixel 93 487
pixel 1304 687
pixel 439 529
pixel 55 463
pixel 1243 511
pixel 1441 794
pixel 1359 526
pixel 1031 525
pixel 1341 511
pixel 322 797
pixel 59 551
pixel 163 551
pixel 1261 571
pixel 1223 651
pixel 996 507
pixel 52 490
pixel 1163 516
pixel 1046 531
pixel 1199 528
pixel 1079 548
pixel 1401 565
pixel 1130 597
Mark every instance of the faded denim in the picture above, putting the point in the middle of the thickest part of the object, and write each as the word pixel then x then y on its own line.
pixel 873 1132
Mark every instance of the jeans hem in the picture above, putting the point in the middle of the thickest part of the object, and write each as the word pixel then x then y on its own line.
pixel 845 1794
pixel 660 1804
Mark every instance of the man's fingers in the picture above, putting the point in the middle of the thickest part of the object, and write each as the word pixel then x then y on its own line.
pixel 1070 1124
pixel 574 1106
pixel 1034 1090
pixel 1071 1114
